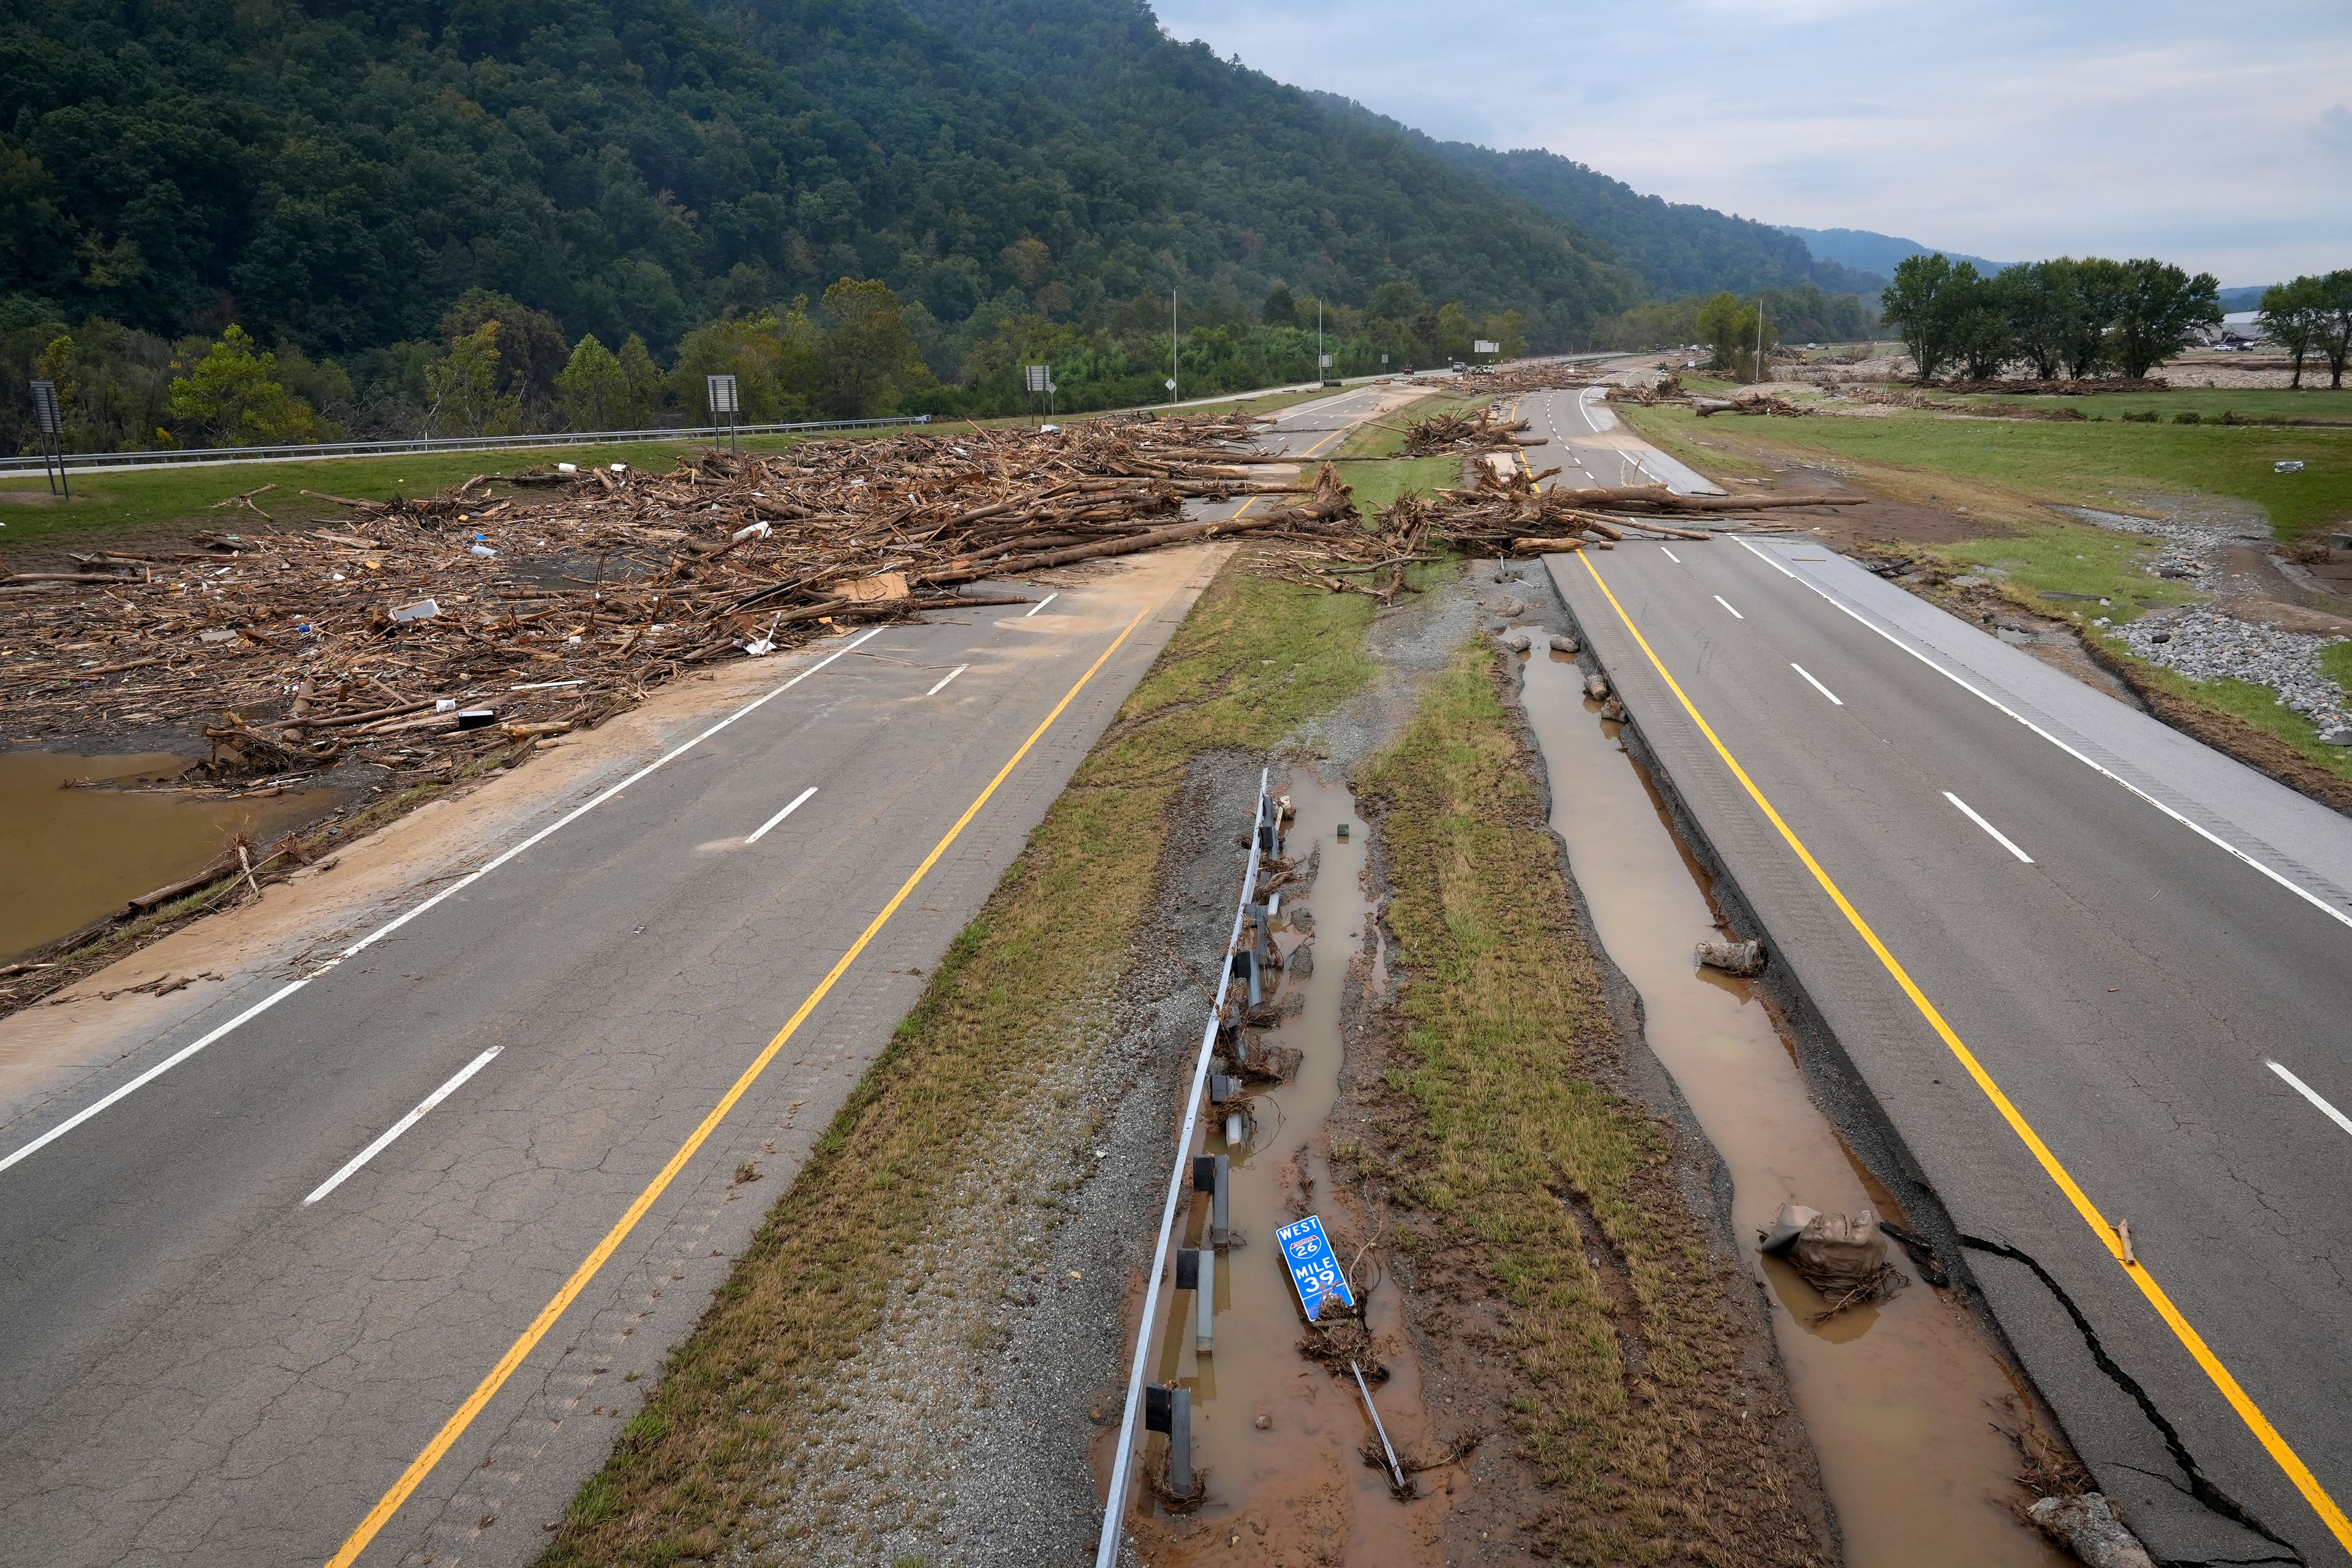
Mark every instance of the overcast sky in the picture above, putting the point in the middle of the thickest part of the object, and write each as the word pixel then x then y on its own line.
pixel 2216 136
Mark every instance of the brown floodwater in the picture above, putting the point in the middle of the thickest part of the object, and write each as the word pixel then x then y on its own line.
pixel 1899 1399
pixel 70 855
pixel 1299 1485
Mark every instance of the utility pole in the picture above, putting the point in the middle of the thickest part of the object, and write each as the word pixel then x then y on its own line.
pixel 1171 345
pixel 1759 337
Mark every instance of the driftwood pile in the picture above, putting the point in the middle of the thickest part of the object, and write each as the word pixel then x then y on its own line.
pixel 422 634
pixel 1442 434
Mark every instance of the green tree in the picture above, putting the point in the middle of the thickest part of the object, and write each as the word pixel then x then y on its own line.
pixel 643 378
pixel 2336 325
pixel 1454 334
pixel 1280 308
pixel 1727 324
pixel 591 390
pixel 870 358
pixel 233 396
pixel 2295 317
pixel 1982 339
pixel 2157 312
pixel 776 361
pixel 2039 300
pixel 1507 330
pixel 531 352
pixel 1925 303
pixel 2098 285
pixel 462 386
pixel 1396 300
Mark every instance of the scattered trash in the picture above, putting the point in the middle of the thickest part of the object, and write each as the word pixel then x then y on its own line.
pixel 475 718
pixel 567 468
pixel 482 551
pixel 750 530
pixel 1842 1257
pixel 422 610
pixel 759 647
pixel 1740 958
pixel 2287 466
pixel 2089 1527
pixel 217 636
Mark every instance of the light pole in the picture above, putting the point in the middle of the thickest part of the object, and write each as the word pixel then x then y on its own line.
pixel 1171 345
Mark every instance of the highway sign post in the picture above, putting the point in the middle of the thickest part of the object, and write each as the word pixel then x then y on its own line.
pixel 723 407
pixel 1323 362
pixel 51 421
pixel 1039 380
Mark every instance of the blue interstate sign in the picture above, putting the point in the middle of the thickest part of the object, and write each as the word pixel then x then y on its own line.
pixel 1313 1268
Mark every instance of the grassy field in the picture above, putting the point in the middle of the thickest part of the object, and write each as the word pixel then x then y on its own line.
pixel 1254 659
pixel 2026 463
pixel 1524 1168
pixel 2206 403
pixel 2058 558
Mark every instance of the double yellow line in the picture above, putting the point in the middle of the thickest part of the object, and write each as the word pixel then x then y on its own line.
pixel 2280 1453
pixel 455 1428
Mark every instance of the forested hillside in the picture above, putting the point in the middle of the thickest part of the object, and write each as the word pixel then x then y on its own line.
pixel 431 211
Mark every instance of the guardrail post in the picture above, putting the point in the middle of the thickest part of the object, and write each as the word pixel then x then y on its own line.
pixel 1204 1302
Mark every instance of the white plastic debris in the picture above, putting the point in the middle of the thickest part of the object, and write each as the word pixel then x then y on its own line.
pixel 1049 429
pixel 423 610
pixel 752 530
pixel 444 705
pixel 214 636
pixel 567 468
pixel 485 552
pixel 2287 466
pixel 620 468
pixel 766 644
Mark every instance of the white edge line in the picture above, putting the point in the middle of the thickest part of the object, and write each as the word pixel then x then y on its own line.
pixel 952 674
pixel 798 801
pixel 1670 555
pixel 402 1125
pixel 2312 1095
pixel 1998 837
pixel 1726 605
pixel 1039 605
pixel 283 992
pixel 1824 690
pixel 2306 895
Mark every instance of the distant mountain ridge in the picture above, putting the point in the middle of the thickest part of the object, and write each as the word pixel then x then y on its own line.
pixel 1879 253
pixel 1677 248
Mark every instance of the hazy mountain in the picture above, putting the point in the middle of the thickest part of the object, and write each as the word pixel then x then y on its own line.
pixel 1879 253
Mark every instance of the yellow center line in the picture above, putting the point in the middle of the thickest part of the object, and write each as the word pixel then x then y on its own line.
pixel 455 1428
pixel 2288 1461
pixel 1302 458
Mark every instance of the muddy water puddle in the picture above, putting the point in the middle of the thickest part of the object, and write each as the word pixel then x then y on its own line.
pixel 1298 1490
pixel 1899 1399
pixel 74 855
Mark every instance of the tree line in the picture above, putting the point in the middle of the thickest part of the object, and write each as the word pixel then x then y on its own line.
pixel 2312 315
pixel 2073 318
pixel 496 366
pixel 1726 324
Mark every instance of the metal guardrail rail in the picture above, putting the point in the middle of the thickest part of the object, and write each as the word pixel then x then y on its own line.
pixel 166 457
pixel 1161 1281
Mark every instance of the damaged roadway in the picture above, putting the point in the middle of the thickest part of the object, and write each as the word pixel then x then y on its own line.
pixel 2127 931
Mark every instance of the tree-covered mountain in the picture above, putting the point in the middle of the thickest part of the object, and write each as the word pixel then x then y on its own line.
pixel 335 173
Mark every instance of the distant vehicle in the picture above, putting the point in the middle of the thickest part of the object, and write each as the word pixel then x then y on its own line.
pixel 1480 370
pixel 1459 367
pixel 1408 370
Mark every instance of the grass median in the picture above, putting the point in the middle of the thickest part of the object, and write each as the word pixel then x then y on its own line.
pixel 1521 1163
pixel 691 1469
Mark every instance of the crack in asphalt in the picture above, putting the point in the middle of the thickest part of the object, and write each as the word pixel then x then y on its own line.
pixel 2200 1487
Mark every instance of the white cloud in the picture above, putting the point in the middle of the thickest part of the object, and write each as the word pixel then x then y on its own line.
pixel 2012 128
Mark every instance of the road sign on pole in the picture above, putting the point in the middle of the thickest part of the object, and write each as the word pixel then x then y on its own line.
pixel 50 420
pixel 1313 1268
pixel 1482 347
pixel 1037 376
pixel 723 405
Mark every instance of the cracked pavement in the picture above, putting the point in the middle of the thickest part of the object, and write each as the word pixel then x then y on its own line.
pixel 2126 990
pixel 206 1370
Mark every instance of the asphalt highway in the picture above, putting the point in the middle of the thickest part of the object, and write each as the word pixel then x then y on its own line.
pixel 378 1269
pixel 2088 973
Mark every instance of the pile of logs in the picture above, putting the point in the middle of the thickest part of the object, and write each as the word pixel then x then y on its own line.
pixel 1449 432
pixel 421 634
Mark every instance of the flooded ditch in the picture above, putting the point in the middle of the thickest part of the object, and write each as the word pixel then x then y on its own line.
pixel 1281 1440
pixel 1904 1398
pixel 75 854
